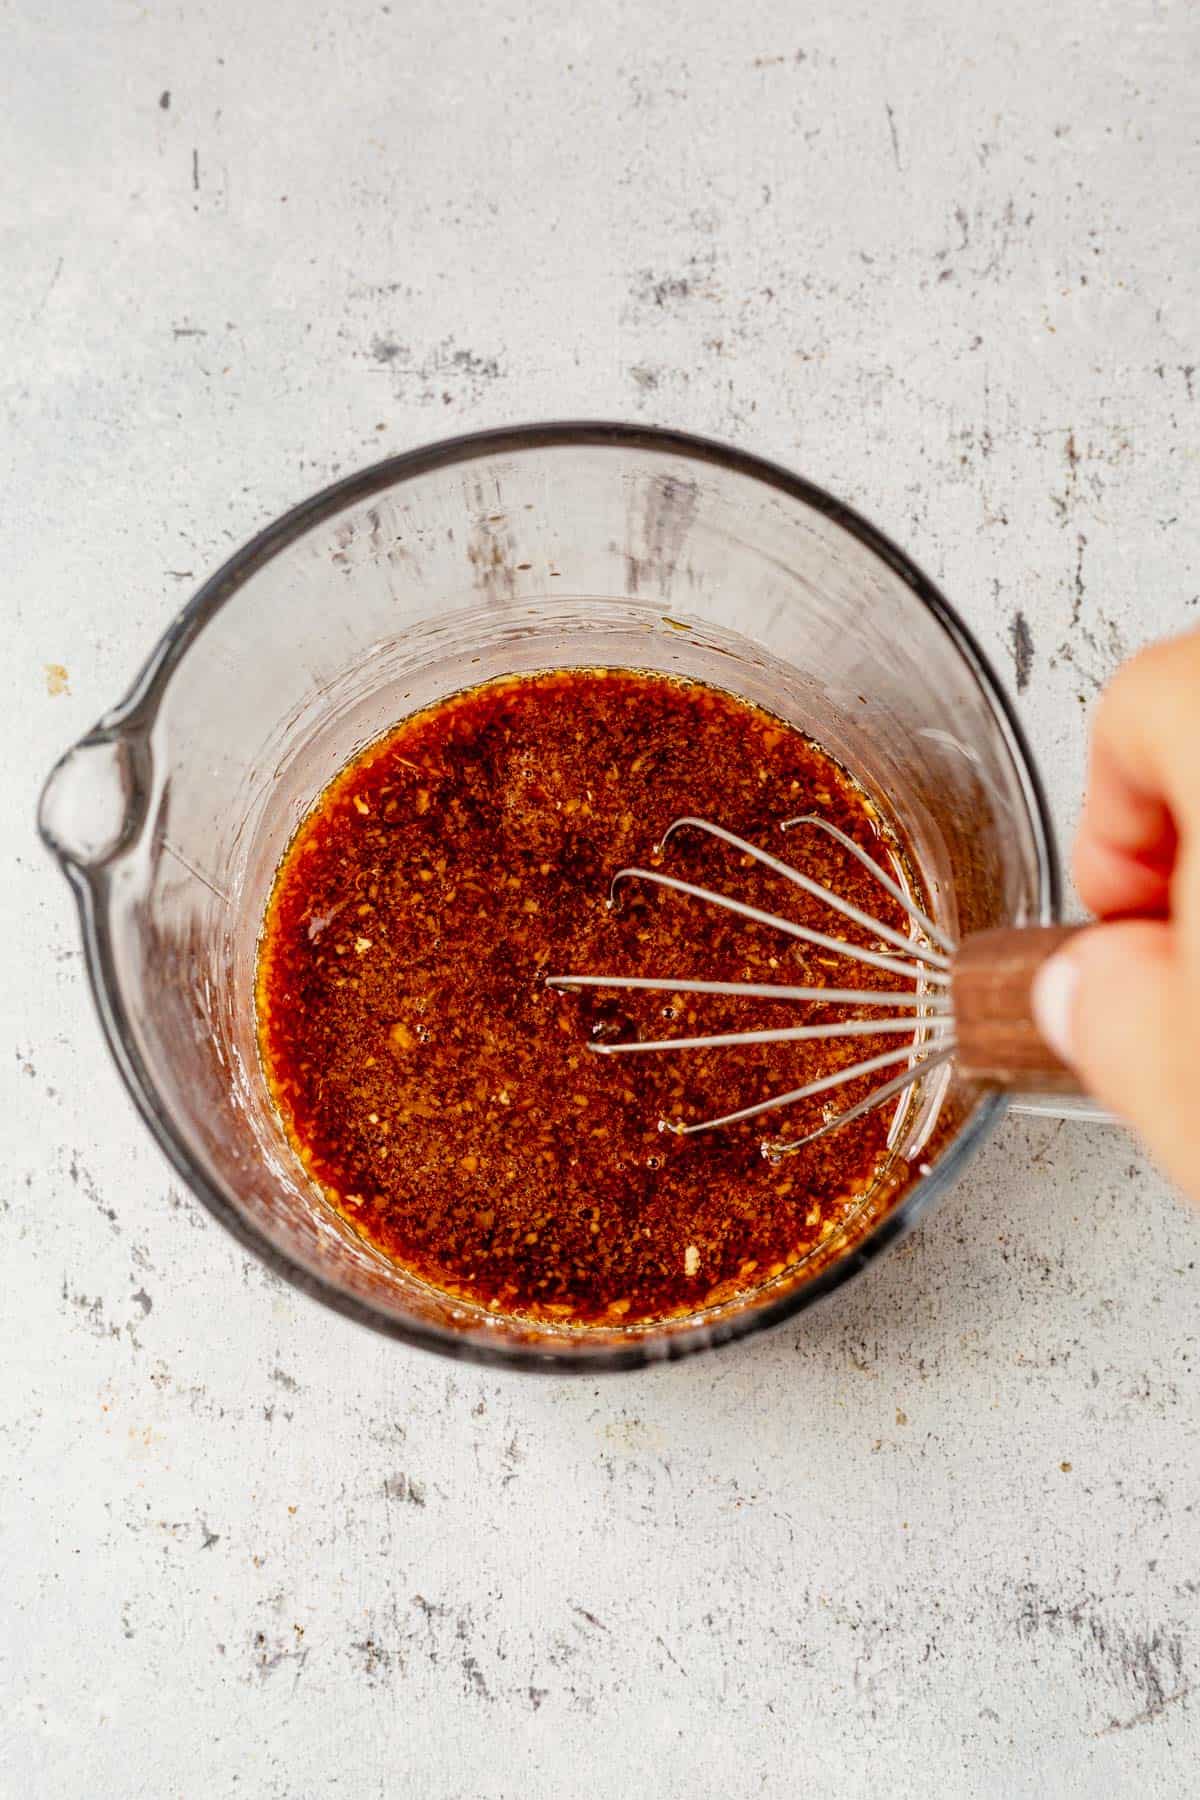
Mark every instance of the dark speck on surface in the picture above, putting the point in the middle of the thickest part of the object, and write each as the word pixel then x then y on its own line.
pixel 1078 586
pixel 590 1617
pixel 403 1487
pixel 1020 640
pixel 891 119
pixel 675 287
pixel 475 1678
pixel 486 366
pixel 164 100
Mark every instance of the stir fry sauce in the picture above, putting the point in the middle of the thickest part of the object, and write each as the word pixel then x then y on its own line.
pixel 446 1098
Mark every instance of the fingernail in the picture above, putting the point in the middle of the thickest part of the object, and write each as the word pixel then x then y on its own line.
pixel 1053 998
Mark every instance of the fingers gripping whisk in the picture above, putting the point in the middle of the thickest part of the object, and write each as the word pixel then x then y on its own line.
pixel 921 1016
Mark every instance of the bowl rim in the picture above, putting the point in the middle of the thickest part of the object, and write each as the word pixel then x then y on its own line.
pixel 136 712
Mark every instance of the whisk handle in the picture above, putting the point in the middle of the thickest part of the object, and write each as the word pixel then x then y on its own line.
pixel 997 1040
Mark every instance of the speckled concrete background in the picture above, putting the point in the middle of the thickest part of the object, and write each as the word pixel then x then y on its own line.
pixel 940 1537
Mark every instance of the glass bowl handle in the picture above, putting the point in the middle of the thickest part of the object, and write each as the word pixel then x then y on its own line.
pixel 95 799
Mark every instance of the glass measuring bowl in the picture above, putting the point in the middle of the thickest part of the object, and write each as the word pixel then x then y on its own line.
pixel 537 547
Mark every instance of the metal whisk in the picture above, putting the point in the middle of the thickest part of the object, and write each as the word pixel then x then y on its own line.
pixel 968 1001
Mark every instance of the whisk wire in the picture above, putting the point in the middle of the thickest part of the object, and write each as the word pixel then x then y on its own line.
pixel 876 927
pixel 780 1147
pixel 809 1091
pixel 839 946
pixel 758 990
pixel 788 1034
pixel 885 881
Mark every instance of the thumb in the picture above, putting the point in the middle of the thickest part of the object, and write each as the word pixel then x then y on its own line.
pixel 1110 1004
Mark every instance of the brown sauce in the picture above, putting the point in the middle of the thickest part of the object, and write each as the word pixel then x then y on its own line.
pixel 446 1099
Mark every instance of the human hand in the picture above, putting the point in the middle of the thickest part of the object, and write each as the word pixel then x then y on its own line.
pixel 1121 1003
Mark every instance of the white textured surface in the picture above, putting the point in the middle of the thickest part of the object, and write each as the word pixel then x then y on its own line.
pixel 938 1538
